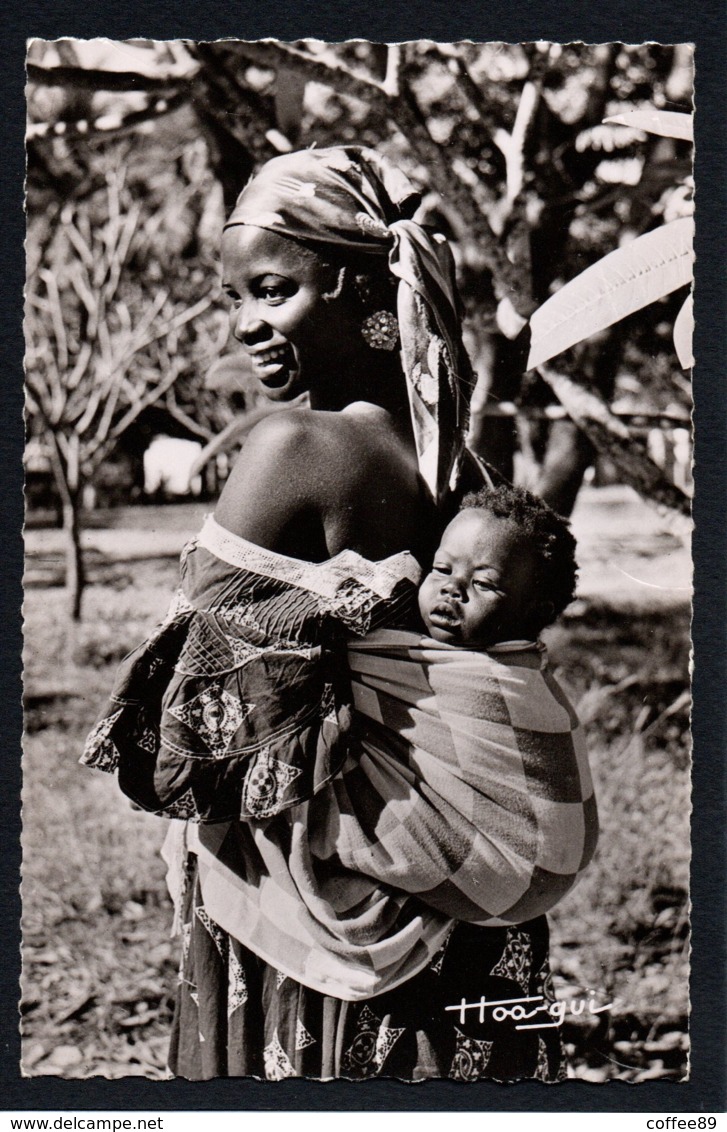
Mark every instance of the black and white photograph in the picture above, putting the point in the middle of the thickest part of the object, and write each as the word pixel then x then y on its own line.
pixel 358 576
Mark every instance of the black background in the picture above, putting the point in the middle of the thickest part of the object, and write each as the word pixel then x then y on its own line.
pixel 702 23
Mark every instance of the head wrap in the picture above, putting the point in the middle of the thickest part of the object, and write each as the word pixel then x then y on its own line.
pixel 353 198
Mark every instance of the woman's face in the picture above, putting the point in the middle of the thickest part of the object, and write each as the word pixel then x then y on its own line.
pixel 292 334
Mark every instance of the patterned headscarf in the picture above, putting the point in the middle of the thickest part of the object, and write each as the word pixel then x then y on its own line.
pixel 353 198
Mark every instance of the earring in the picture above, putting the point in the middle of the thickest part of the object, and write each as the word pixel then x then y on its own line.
pixel 381 330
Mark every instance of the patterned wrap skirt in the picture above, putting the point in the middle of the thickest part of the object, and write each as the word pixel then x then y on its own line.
pixel 237 1016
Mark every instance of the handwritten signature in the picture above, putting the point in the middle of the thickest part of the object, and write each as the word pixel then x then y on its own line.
pixel 503 1008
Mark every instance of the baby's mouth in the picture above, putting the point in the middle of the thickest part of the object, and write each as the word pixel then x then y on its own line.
pixel 444 616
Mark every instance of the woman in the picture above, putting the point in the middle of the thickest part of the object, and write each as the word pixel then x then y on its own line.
pixel 317 255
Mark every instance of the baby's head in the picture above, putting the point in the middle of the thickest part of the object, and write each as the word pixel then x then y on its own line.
pixel 504 570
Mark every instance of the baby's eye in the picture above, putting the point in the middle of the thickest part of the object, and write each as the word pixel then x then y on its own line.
pixel 441 568
pixel 481 584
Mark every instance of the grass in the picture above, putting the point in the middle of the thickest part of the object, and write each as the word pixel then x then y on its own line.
pixel 624 929
pixel 99 965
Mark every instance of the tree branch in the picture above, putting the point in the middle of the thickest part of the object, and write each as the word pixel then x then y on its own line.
pixel 107 124
pixel 404 112
pixel 452 53
pixel 179 414
pixel 86 78
pixel 324 68
pixel 97 451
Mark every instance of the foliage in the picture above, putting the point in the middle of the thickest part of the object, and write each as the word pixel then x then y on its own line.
pixel 638 273
pixel 113 287
pixel 120 316
pixel 624 281
pixel 509 136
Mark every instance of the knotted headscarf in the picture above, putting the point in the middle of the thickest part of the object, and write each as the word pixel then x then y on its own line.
pixel 353 198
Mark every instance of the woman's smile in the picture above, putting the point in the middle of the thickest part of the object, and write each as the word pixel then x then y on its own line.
pixel 363 809
pixel 274 366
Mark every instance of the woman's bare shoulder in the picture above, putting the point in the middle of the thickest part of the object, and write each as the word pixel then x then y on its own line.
pixel 300 463
pixel 265 490
pixel 278 435
pixel 297 440
pixel 300 439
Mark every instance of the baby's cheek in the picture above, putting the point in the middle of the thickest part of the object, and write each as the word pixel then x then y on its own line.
pixel 479 624
pixel 424 601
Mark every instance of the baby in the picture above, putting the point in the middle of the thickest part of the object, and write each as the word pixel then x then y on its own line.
pixel 504 570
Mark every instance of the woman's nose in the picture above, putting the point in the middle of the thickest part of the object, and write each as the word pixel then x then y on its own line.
pixel 247 326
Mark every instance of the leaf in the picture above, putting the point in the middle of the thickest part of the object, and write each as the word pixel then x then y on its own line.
pixel 639 273
pixel 665 123
pixel 683 332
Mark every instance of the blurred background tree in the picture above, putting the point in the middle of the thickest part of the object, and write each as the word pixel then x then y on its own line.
pixel 509 147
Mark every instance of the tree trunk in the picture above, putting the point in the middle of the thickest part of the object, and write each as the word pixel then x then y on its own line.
pixel 567 456
pixel 493 438
pixel 628 453
pixel 70 488
pixel 75 573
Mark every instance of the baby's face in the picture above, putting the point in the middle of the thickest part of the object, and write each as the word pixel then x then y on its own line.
pixel 481 588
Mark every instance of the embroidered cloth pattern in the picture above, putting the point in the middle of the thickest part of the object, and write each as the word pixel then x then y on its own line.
pixel 238 705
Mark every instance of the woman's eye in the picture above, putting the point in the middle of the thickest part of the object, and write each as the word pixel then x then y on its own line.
pixel 275 290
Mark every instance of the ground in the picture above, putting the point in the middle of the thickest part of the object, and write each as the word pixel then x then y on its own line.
pixel 99 963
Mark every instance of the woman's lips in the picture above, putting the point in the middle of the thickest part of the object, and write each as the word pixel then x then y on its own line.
pixel 274 367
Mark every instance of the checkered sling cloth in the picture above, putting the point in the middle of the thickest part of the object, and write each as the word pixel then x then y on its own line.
pixel 467 787
pixel 472 789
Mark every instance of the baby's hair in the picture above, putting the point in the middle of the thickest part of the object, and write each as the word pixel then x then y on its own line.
pixel 549 536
